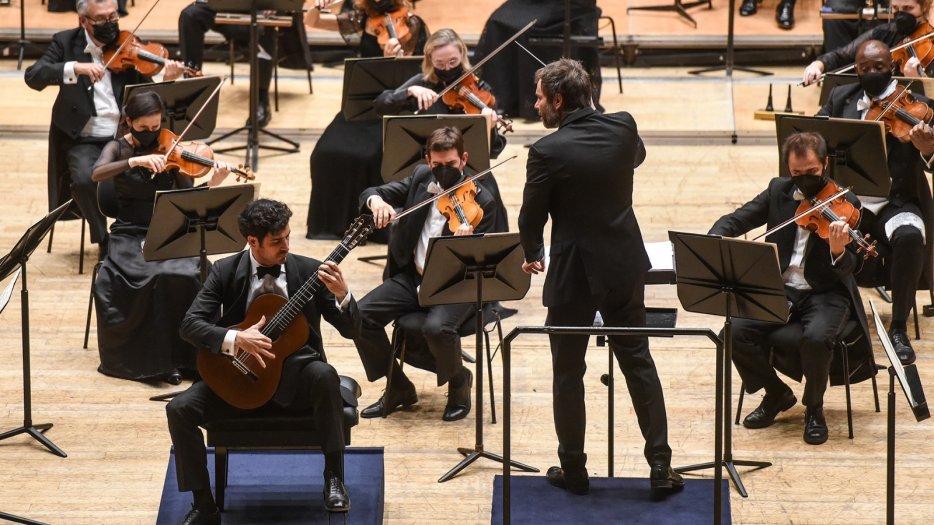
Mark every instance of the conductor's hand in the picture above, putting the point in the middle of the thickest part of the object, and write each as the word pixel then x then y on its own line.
pixel 922 136
pixel 383 213
pixel 534 267
pixel 838 238
pixel 253 342
pixel 424 96
pixel 813 72
pixel 91 70
pixel 330 274
pixel 392 48
pixel 154 162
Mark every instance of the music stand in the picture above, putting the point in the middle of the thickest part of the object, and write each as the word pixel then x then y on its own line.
pixel 12 261
pixel 911 384
pixel 366 78
pixel 183 99
pixel 853 147
pixel 732 278
pixel 404 140
pixel 678 7
pixel 456 270
pixel 728 64
pixel 252 129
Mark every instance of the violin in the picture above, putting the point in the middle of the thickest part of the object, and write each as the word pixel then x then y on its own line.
pixel 394 24
pixel 900 111
pixel 194 159
pixel 470 98
pixel 129 52
pixel 918 47
pixel 839 209
pixel 460 207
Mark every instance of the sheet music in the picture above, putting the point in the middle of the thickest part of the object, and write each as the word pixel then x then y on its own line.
pixel 8 291
pixel 661 255
pixel 893 357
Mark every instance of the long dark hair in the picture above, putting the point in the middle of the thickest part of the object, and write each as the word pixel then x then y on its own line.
pixel 140 104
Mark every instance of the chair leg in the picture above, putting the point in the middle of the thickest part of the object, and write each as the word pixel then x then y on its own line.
pixel 914 310
pixel 739 403
pixel 311 88
pixel 846 384
pixel 87 326
pixel 275 71
pixel 489 370
pixel 397 346
pixel 84 224
pixel 231 60
pixel 220 476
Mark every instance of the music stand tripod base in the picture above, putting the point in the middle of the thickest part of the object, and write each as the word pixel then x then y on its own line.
pixel 678 7
pixel 17 519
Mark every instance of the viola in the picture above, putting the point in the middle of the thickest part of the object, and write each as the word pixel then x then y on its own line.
pixel 394 24
pixel 918 47
pixel 461 207
pixel 470 98
pixel 900 111
pixel 129 52
pixel 194 159
pixel 839 209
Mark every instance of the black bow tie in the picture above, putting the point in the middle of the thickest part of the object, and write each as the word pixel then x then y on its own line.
pixel 268 270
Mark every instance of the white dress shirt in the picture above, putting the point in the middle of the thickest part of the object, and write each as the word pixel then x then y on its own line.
pixel 103 125
pixel 794 274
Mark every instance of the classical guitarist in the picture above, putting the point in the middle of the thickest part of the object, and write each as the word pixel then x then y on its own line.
pixel 307 380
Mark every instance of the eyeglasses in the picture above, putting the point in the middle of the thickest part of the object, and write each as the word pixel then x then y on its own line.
pixel 98 21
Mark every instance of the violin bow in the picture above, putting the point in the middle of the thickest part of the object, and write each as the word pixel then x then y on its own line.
pixel 844 69
pixel 451 189
pixel 816 207
pixel 191 122
pixel 132 33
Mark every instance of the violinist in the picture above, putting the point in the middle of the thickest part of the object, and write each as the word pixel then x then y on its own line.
pixel 87 109
pixel 398 294
pixel 910 21
pixel 140 303
pixel 368 20
pixel 346 159
pixel 898 222
pixel 819 284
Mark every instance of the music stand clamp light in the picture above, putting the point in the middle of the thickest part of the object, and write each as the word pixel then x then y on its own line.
pixel 183 99
pixel 366 78
pixel 730 278
pixel 252 129
pixel 475 269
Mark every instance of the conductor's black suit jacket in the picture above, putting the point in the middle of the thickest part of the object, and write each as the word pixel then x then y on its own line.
pixel 222 303
pixel 582 174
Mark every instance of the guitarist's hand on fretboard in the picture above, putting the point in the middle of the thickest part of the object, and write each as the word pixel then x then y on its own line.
pixel 330 274
pixel 255 343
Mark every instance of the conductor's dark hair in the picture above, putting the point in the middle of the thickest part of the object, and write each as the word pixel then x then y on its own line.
pixel 801 143
pixel 569 79
pixel 262 217
pixel 444 139
pixel 142 104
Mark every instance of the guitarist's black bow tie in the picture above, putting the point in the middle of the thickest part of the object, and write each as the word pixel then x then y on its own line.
pixel 274 271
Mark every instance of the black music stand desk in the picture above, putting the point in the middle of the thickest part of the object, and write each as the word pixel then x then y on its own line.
pixel 404 140
pixel 183 99
pixel 730 278
pixel 475 269
pixel 366 78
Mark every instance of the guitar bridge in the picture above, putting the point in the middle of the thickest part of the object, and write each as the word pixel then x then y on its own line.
pixel 243 369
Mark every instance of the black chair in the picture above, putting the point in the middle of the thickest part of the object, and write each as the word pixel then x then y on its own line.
pixel 847 349
pixel 73 213
pixel 273 430
pixel 107 202
pixel 409 344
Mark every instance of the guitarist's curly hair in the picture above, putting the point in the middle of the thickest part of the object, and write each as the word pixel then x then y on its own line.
pixel 262 217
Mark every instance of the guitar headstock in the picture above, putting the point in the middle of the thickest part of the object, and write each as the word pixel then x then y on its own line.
pixel 358 231
pixel 244 173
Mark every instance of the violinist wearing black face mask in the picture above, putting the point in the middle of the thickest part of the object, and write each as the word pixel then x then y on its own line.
pixel 902 221
pixel 398 294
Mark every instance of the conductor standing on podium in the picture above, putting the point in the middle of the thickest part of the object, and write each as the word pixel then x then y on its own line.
pixel 582 174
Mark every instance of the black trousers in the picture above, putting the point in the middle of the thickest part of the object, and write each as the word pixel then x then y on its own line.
pixel 619 307
pixel 396 297
pixel 81 159
pixel 821 317
pixel 903 253
pixel 196 19
pixel 318 390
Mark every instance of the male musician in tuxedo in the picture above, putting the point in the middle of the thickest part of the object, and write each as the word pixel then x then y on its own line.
pixel 398 294
pixel 307 382
pixel 582 175
pixel 87 109
pixel 901 220
pixel 819 284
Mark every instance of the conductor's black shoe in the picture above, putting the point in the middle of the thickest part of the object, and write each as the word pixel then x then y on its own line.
pixel 458 400
pixel 263 115
pixel 663 476
pixel 785 14
pixel 903 349
pixel 199 517
pixel 401 396
pixel 749 7
pixel 575 482
pixel 335 495
pixel 815 426
pixel 770 407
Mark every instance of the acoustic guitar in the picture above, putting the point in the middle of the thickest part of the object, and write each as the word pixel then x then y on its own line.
pixel 240 380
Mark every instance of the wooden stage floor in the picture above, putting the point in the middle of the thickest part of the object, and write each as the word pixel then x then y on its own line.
pixel 118 443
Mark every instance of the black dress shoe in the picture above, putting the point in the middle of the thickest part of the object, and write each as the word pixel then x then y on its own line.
pixel 458 400
pixel 401 396
pixel 748 7
pixel 575 482
pixel 770 407
pixel 335 495
pixel 263 115
pixel 664 477
pixel 174 377
pixel 815 426
pixel 785 14
pixel 199 517
pixel 903 349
